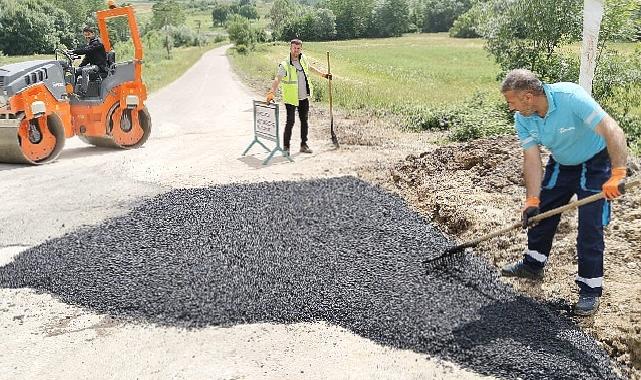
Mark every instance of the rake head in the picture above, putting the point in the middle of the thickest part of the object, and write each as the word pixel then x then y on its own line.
pixel 446 258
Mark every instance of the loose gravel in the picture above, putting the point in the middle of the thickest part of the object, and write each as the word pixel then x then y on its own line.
pixel 338 250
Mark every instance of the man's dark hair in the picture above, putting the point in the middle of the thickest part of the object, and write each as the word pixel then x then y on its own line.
pixel 89 29
pixel 522 80
pixel 295 41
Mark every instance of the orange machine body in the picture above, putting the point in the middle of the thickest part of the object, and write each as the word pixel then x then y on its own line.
pixel 93 120
pixel 44 111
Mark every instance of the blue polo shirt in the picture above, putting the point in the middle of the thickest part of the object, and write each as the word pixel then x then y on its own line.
pixel 567 130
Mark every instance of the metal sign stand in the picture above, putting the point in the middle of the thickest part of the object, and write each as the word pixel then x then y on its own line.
pixel 266 126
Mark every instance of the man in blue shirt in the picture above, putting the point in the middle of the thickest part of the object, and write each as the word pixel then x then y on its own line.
pixel 588 155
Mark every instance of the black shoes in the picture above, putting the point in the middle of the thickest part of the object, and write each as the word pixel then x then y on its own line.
pixel 522 270
pixel 586 305
pixel 305 149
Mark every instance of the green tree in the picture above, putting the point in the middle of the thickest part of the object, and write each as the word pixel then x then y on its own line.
pixel 220 12
pixel 529 33
pixel 325 24
pixel 248 11
pixel 466 25
pixel 439 15
pixel 390 18
pixel 417 13
pixel 167 13
pixel 283 11
pixel 619 22
pixel 352 17
pixel 81 11
pixel 315 25
pixel 201 5
pixel 33 26
pixel 240 31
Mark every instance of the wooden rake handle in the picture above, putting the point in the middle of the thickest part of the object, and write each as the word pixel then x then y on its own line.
pixel 535 219
pixel 329 71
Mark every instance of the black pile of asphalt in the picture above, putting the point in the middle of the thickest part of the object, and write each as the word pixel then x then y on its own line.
pixel 336 250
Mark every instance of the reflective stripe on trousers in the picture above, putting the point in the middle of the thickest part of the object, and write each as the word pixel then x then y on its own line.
pixel 560 184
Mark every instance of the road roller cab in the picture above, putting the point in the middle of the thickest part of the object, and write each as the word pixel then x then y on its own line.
pixel 40 108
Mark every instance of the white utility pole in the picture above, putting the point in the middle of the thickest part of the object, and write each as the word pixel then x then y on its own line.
pixel 592 15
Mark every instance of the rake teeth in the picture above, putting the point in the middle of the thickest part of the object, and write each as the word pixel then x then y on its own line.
pixel 447 258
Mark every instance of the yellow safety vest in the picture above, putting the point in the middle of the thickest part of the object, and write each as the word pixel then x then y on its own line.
pixel 289 83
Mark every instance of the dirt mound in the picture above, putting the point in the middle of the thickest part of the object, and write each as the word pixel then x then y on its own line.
pixel 455 184
pixel 470 189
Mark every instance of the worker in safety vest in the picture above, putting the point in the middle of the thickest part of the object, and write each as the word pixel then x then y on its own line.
pixel 293 77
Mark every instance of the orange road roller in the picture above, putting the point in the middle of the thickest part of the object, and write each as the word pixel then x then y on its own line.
pixel 40 108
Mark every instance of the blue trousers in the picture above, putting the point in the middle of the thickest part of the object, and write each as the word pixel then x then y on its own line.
pixel 560 183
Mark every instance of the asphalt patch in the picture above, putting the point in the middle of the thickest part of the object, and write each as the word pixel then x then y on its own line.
pixel 337 250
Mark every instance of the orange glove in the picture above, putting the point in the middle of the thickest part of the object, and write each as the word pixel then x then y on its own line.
pixel 611 187
pixel 530 209
pixel 270 96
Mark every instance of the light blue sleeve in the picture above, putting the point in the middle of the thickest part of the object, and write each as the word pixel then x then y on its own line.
pixel 587 109
pixel 527 140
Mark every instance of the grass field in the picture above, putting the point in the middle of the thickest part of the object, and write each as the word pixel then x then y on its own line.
pixel 429 69
pixel 422 69
pixel 427 80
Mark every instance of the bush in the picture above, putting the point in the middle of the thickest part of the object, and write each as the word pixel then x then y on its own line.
pixel 201 5
pixel 167 12
pixel 184 36
pixel 477 117
pixel 526 34
pixel 242 32
pixel 33 26
pixel 465 26
pixel 390 18
pixel 248 11
pixel 617 87
pixel 439 15
pixel 315 25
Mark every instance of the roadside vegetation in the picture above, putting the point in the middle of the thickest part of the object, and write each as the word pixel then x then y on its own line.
pixel 433 81
pixel 175 34
pixel 424 81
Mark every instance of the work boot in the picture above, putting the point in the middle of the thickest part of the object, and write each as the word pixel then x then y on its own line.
pixel 522 270
pixel 305 149
pixel 286 151
pixel 586 305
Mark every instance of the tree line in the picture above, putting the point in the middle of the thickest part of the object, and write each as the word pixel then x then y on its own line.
pixel 350 19
pixel 39 26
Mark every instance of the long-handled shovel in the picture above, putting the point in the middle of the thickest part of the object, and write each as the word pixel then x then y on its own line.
pixel 331 113
pixel 535 219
